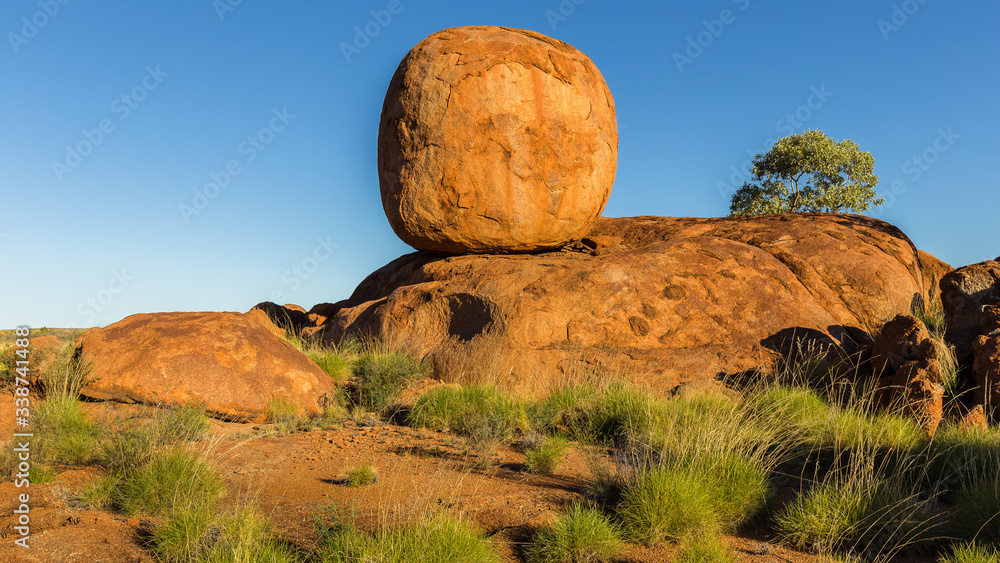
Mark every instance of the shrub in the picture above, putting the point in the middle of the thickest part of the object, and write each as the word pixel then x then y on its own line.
pixel 666 505
pixel 581 535
pixel 379 377
pixel 361 476
pixel 545 457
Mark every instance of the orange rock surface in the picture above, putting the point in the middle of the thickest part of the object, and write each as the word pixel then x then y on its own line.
pixel 495 140
pixel 226 362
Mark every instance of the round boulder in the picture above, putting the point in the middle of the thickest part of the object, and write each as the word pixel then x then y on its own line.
pixel 495 140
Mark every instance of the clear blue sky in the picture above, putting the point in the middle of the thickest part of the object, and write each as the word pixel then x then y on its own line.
pixel 155 97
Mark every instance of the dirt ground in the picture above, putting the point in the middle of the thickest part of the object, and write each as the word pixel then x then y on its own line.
pixel 296 478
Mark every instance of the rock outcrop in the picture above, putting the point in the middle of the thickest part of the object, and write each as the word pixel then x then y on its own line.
pixel 226 362
pixel 495 140
pixel 664 300
pixel 908 362
pixel 986 360
pixel 964 294
pixel 933 270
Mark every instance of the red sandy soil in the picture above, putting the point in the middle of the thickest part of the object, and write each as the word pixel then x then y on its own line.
pixel 292 478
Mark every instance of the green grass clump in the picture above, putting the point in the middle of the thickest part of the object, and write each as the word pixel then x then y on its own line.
pixel 705 549
pixel 334 361
pixel 361 476
pixel 435 539
pixel 976 514
pixel 545 458
pixel 284 414
pixel 666 505
pixel 566 410
pixel 172 479
pixel 379 377
pixel 66 435
pixel 581 535
pixel 479 412
pixel 198 535
pixel 971 553
pixel 859 512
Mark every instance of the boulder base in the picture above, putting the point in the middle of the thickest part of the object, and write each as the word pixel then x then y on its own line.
pixel 226 362
pixel 657 299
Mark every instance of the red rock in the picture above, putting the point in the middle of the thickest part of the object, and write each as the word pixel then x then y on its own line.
pixel 922 390
pixel 986 372
pixel 495 140
pixel 964 293
pixel 226 362
pixel 933 270
pixel 289 317
pixel 664 300
pixel 260 317
pixel 903 339
pixel 974 419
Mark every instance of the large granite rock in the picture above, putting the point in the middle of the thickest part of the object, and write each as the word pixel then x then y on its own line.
pixel 663 300
pixel 964 294
pixel 226 362
pixel 495 140
pixel 933 270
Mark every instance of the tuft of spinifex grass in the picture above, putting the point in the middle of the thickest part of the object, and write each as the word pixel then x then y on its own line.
pixel 581 535
pixel 361 476
pixel 665 505
pixel 432 539
pixel 545 457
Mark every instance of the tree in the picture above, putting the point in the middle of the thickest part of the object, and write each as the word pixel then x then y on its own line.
pixel 809 172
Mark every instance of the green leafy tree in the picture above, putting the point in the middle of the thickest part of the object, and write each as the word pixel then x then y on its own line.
pixel 809 172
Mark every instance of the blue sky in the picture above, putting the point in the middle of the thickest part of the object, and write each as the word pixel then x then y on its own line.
pixel 115 115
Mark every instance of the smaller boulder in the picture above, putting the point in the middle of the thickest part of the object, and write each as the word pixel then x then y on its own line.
pixel 986 372
pixel 965 293
pixel 259 316
pixel 903 339
pixel 225 362
pixel 922 390
pixel 974 419
pixel 289 317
